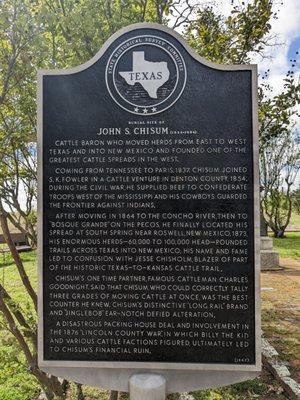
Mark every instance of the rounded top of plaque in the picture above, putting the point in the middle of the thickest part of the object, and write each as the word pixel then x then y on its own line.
pixel 145 68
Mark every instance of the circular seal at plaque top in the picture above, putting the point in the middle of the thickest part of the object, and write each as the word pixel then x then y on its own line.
pixel 145 75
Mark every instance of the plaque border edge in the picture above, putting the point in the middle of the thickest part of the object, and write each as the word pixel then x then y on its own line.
pixel 255 367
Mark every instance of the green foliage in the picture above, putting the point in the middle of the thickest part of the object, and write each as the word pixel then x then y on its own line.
pixel 254 387
pixel 231 39
pixel 242 391
pixel 90 393
pixel 75 30
pixel 276 112
pixel 18 387
pixel 208 395
pixel 15 382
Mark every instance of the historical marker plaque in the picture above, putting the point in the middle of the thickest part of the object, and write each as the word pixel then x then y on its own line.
pixel 149 203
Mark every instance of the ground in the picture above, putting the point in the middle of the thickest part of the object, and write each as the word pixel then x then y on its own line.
pixel 281 308
pixel 280 321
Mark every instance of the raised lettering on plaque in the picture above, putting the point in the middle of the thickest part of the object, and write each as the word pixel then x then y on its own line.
pixel 149 209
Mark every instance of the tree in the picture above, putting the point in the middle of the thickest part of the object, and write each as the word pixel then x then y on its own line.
pixel 16 38
pixel 233 39
pixel 277 113
pixel 280 163
pixel 279 150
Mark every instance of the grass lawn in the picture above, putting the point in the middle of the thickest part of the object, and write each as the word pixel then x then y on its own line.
pixel 17 384
pixel 289 246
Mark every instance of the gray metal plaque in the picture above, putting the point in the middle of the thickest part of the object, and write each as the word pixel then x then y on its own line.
pixel 148 216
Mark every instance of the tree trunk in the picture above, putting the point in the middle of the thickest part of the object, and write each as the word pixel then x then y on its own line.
pixel 113 395
pixel 49 394
pixel 52 386
pixel 80 395
pixel 28 331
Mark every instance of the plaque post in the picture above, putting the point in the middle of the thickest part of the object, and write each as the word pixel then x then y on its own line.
pixel 147 387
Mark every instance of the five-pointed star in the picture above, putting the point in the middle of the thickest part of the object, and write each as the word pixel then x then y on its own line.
pixel 136 109
pixel 154 109
pixel 145 110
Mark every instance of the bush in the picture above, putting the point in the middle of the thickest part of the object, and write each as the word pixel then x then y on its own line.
pixel 254 386
pixel 15 382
